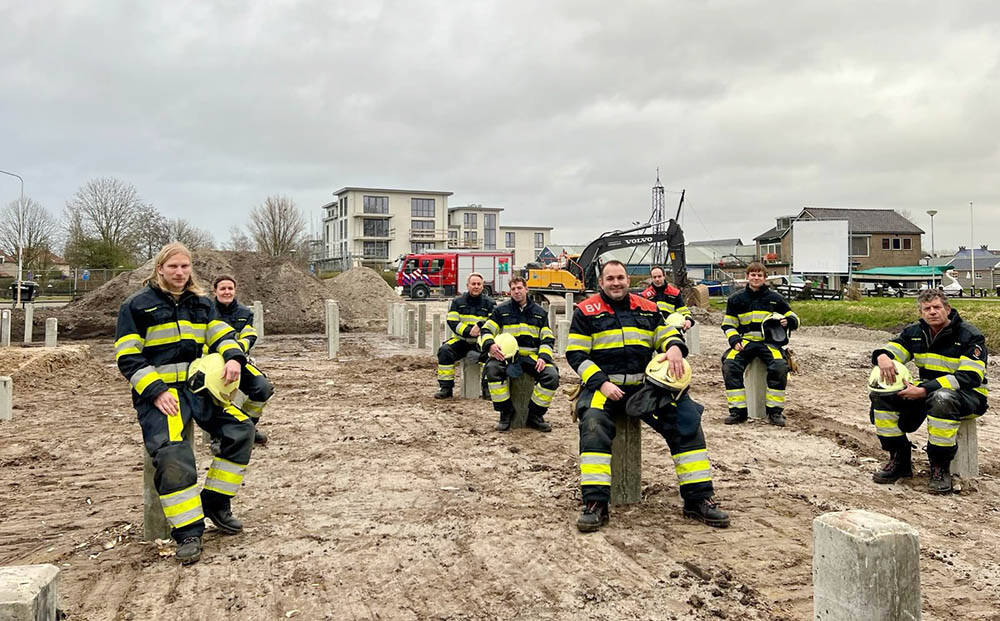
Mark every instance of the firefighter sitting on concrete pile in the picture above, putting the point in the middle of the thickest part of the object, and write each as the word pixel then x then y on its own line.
pixel 161 329
pixel 465 318
pixel 667 297
pixel 256 389
pixel 951 355
pixel 529 324
pixel 614 337
pixel 757 323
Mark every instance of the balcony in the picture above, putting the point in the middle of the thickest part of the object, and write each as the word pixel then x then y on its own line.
pixel 467 244
pixel 428 235
pixel 385 216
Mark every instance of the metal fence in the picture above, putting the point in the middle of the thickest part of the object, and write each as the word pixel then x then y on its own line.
pixel 55 283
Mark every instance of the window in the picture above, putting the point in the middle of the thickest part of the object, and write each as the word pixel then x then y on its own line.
pixel 539 240
pixel 490 239
pixel 886 243
pixel 907 243
pixel 453 234
pixel 423 225
pixel 419 247
pixel 376 204
pixel 770 252
pixel 343 207
pixel 435 266
pixel 376 249
pixel 489 221
pixel 896 243
pixel 469 220
pixel 859 245
pixel 375 228
pixel 508 240
pixel 470 236
pixel 422 207
pixel 784 224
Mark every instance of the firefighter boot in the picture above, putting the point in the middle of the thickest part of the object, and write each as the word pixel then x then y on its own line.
pixel 216 508
pixel 898 466
pixel 535 418
pixel 776 418
pixel 189 550
pixel 736 417
pixel 595 515
pixel 445 392
pixel 259 437
pixel 506 415
pixel 940 482
pixel 706 510
pixel 485 395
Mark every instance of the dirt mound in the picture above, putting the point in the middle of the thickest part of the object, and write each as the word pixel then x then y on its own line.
pixel 293 299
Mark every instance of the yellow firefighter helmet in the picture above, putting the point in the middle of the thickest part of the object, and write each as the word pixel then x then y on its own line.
pixel 675 320
pixel 877 385
pixel 658 373
pixel 206 372
pixel 507 344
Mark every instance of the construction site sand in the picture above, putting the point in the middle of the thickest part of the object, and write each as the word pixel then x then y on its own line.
pixel 376 501
pixel 293 299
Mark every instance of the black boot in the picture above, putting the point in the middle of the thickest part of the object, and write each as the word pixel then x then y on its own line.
pixel 595 515
pixel 706 510
pixel 735 418
pixel 259 437
pixel 898 466
pixel 776 418
pixel 536 418
pixel 940 482
pixel 216 508
pixel 189 550
pixel 445 391
pixel 486 391
pixel 506 416
pixel 215 446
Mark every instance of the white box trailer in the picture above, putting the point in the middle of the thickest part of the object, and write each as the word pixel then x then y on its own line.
pixel 495 267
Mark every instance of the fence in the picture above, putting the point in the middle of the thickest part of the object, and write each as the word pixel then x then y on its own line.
pixel 55 283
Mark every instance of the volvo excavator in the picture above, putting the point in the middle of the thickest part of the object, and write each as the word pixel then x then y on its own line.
pixel 580 275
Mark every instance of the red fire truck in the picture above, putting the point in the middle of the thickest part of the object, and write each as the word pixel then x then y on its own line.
pixel 445 273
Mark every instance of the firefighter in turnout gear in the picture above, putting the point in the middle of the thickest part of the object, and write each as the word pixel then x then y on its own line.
pixel 951 355
pixel 161 329
pixel 667 297
pixel 746 313
pixel 529 324
pixel 612 339
pixel 465 318
pixel 255 389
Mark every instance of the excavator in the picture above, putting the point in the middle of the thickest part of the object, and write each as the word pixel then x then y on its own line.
pixel 580 275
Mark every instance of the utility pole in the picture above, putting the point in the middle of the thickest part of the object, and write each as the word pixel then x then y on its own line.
pixel 20 234
pixel 972 249
pixel 932 213
pixel 658 218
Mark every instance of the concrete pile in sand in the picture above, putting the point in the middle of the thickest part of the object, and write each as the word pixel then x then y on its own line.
pixel 293 299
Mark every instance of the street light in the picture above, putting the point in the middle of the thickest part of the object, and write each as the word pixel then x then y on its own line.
pixel 972 250
pixel 20 233
pixel 932 213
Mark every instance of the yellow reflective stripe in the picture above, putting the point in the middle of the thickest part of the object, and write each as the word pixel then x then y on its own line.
pixel 595 468
pixel 982 390
pixel 730 320
pixel 898 351
pixel 214 331
pixel 578 342
pixel 587 370
pixel 163 333
pixel 175 424
pixel 545 348
pixel 491 326
pixel 936 362
pixel 943 428
pixel 142 378
pixel 608 339
pixel 598 400
pixel 971 364
pixel 227 345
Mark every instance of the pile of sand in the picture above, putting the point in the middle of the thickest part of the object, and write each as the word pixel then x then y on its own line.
pixel 293 299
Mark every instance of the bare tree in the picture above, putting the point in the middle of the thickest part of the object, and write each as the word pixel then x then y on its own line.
pixel 238 240
pixel 152 231
pixel 191 236
pixel 277 226
pixel 33 226
pixel 109 210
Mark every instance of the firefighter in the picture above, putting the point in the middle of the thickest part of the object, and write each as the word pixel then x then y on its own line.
pixel 667 297
pixel 465 318
pixel 612 338
pixel 951 355
pixel 747 312
pixel 529 324
pixel 161 329
pixel 255 387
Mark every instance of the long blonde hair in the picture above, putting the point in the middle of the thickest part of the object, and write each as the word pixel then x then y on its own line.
pixel 161 258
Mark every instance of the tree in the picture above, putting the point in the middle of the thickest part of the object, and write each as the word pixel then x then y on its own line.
pixel 152 232
pixel 238 240
pixel 186 233
pixel 277 226
pixel 104 218
pixel 33 226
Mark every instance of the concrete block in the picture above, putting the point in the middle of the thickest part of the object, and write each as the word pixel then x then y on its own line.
pixel 5 328
pixel 29 593
pixel 520 393
pixel 390 318
pixel 51 331
pixel 471 376
pixel 422 326
pixel 258 318
pixel 569 306
pixel 436 339
pixel 755 382
pixel 626 460
pixel 399 319
pixel 693 339
pixel 562 336
pixel 332 329
pixel 29 321
pixel 552 317
pixel 966 462
pixel 865 566
pixel 411 326
pixel 154 523
pixel 6 398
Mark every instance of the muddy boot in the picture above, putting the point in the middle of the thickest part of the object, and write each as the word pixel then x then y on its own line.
pixel 215 446
pixel 445 391
pixel 189 550
pixel 259 437
pixel 898 466
pixel 536 418
pixel 735 418
pixel 776 418
pixel 595 515
pixel 216 508
pixel 485 396
pixel 940 482
pixel 506 416
pixel 706 510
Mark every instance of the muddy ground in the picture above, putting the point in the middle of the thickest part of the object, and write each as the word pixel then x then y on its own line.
pixel 374 501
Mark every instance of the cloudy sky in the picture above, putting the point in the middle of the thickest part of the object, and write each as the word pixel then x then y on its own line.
pixel 559 112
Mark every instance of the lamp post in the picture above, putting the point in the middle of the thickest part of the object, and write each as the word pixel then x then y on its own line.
pixel 932 213
pixel 972 249
pixel 20 233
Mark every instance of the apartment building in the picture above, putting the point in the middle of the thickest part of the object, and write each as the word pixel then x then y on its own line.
pixel 526 242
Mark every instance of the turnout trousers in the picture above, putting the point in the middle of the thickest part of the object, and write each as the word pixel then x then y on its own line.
pixel 944 409
pixel 734 364
pixel 450 352
pixel 546 383
pixel 176 477
pixel 679 424
pixel 256 390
